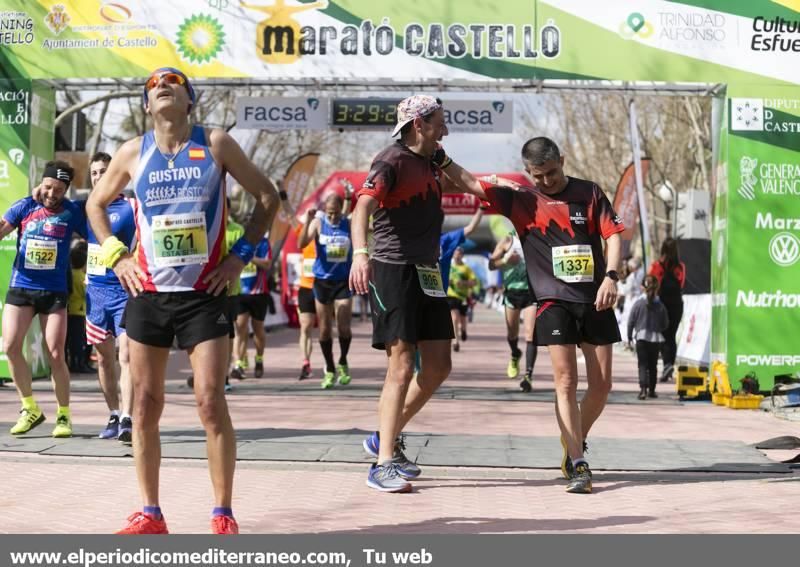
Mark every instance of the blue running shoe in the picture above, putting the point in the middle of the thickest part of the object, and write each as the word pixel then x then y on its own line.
pixel 372 444
pixel 387 478
pixel 406 468
pixel 112 428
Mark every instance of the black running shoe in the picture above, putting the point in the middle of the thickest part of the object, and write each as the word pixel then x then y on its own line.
pixel 581 481
pixel 566 461
pixel 237 373
pixel 525 385
pixel 259 370
pixel 464 335
pixel 305 372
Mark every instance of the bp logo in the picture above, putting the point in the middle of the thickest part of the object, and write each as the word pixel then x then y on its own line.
pixel 636 26
pixel 747 176
pixel 200 38
pixel 784 249
pixel 747 114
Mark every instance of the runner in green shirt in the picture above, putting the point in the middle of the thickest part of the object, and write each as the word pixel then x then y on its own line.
pixel 519 300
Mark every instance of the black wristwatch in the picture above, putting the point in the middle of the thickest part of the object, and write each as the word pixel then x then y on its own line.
pixel 613 275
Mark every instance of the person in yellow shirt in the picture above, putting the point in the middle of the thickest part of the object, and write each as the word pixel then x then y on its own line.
pixel 76 311
pixel 462 281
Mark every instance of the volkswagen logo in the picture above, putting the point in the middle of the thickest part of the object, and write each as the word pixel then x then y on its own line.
pixel 784 248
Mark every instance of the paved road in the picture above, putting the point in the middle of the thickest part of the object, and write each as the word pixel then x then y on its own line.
pixel 489 454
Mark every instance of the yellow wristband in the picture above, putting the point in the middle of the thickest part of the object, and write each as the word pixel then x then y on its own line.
pixel 111 251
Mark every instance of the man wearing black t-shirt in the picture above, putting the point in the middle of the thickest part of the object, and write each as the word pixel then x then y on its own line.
pixel 403 194
pixel 561 222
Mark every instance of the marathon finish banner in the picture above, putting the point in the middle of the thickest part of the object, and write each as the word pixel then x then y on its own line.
pixel 748 50
pixel 650 40
pixel 27 111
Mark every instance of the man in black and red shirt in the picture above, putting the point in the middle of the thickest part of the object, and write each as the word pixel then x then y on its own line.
pixel 403 193
pixel 561 222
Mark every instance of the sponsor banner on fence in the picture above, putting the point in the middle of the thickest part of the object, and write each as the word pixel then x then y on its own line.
pixel 282 113
pixel 762 234
pixel 26 143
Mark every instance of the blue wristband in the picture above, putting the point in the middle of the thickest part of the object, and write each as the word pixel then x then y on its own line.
pixel 244 250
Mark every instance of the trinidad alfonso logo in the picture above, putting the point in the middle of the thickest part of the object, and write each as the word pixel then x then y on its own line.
pixel 200 38
pixel 636 26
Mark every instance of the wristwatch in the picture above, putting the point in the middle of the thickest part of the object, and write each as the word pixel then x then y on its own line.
pixel 613 275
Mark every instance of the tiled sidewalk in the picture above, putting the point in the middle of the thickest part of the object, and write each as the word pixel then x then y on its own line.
pixel 476 407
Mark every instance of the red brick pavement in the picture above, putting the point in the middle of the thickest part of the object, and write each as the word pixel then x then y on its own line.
pixel 87 495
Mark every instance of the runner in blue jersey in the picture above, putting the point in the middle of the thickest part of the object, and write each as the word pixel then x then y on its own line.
pixel 39 287
pixel 253 304
pixel 178 275
pixel 451 240
pixel 105 304
pixel 331 232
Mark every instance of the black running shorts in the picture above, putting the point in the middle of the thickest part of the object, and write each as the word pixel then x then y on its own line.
pixel 305 301
pixel 328 291
pixel 456 304
pixel 254 305
pixel 43 302
pixel 567 323
pixel 193 317
pixel 400 310
pixel 519 298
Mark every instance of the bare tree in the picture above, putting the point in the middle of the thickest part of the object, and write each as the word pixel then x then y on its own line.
pixel 675 132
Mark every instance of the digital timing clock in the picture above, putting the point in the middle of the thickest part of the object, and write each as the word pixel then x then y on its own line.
pixel 379 113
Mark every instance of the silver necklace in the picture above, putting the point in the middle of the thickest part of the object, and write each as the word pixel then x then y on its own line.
pixel 170 157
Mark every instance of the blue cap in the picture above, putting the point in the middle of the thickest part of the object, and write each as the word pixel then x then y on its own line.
pixel 187 84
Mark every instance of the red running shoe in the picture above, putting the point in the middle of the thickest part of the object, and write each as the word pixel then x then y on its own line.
pixel 142 524
pixel 224 525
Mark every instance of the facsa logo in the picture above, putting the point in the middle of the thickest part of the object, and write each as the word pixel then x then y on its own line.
pixel 784 249
pixel 275 113
pixel 747 114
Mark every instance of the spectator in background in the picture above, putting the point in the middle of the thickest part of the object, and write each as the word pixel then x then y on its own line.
pixel 76 310
pixel 647 321
pixel 671 275
pixel 629 288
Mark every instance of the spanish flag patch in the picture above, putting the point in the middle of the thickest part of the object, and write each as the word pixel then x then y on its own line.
pixel 197 154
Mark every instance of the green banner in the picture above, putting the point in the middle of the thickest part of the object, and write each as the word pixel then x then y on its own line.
pixel 758 277
pixel 27 112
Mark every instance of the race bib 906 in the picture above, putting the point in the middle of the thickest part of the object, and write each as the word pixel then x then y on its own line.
pixel 430 280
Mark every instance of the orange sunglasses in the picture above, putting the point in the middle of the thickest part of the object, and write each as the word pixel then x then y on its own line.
pixel 169 78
